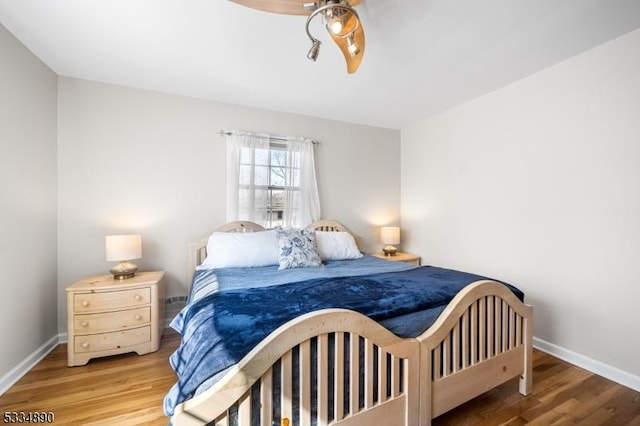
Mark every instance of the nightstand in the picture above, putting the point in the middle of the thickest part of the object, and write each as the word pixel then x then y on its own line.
pixel 400 257
pixel 109 317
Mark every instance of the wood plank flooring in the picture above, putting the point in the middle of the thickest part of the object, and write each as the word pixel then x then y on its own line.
pixel 128 390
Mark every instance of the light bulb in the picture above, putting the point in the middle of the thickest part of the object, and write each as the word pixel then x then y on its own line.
pixel 336 26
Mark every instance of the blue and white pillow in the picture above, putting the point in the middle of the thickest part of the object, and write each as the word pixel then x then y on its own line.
pixel 298 248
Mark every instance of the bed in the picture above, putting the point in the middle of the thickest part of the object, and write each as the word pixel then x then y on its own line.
pixel 336 365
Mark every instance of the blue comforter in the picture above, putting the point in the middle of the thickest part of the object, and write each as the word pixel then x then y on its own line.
pixel 220 328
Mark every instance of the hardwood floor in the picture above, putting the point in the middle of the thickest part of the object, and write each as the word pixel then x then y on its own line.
pixel 128 390
pixel 562 394
pixel 119 390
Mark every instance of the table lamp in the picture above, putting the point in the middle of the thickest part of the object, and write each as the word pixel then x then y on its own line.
pixel 123 248
pixel 390 235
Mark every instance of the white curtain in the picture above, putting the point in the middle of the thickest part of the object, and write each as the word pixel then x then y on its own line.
pixel 245 174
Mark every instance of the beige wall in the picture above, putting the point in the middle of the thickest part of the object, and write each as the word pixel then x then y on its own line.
pixel 28 212
pixel 538 184
pixel 139 161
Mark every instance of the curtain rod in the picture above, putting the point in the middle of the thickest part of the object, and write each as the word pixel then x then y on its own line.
pixel 271 138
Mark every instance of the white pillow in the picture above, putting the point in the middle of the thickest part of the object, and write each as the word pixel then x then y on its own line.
pixel 241 250
pixel 337 246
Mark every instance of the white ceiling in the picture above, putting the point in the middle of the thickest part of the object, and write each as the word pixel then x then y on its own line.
pixel 422 56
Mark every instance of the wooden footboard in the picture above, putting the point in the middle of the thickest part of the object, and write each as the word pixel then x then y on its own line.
pixel 481 340
pixel 333 367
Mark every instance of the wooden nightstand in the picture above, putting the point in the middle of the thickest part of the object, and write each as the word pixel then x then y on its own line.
pixel 109 317
pixel 400 257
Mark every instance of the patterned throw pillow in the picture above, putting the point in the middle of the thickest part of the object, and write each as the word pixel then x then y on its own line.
pixel 298 248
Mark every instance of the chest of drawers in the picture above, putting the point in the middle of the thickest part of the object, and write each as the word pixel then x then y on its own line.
pixel 109 317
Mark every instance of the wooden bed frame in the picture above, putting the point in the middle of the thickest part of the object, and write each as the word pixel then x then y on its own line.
pixel 481 340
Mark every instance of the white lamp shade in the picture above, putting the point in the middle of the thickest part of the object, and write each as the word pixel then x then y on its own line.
pixel 123 247
pixel 390 235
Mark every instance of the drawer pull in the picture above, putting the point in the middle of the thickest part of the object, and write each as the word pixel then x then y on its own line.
pixel 84 323
pixel 138 317
pixel 137 297
pixel 85 345
pixel 85 303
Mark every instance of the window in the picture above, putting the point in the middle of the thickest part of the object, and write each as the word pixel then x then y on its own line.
pixel 271 182
pixel 264 173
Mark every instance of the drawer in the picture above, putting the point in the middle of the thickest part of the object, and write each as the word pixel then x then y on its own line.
pixel 97 323
pixel 121 299
pixel 110 341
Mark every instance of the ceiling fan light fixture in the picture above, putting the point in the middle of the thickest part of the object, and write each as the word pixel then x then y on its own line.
pixel 352 46
pixel 339 18
pixel 343 24
pixel 314 51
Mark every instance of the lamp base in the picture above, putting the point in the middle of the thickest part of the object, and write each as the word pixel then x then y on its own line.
pixel 389 251
pixel 123 270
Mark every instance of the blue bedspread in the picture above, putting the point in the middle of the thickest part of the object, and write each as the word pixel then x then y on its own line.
pixel 220 328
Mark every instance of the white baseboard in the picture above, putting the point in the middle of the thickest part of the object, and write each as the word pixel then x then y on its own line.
pixel 16 373
pixel 612 373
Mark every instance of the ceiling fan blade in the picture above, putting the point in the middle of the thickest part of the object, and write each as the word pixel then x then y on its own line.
pixel 353 62
pixel 286 7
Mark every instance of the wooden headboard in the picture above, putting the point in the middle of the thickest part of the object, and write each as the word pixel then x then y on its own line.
pixel 198 249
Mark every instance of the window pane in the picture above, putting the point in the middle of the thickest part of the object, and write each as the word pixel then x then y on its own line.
pixel 276 218
pixel 244 197
pixel 295 177
pixel 262 217
pixel 245 175
pixel 277 157
pixel 246 157
pixel 262 199
pixel 277 199
pixel 262 157
pixel 245 214
pixel 277 176
pixel 262 176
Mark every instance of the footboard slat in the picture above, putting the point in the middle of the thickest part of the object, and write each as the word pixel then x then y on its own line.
pixel 244 410
pixel 466 349
pixel 368 374
pixel 505 327
pixel 482 328
pixel 446 356
pixel 305 383
pixel 395 377
pixel 286 393
pixel 491 344
pixel 266 389
pixel 436 366
pixel 455 349
pixel 354 367
pixel 338 387
pixel 323 382
pixel 382 375
pixel 473 324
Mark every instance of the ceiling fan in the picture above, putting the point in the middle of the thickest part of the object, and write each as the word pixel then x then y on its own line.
pixel 340 18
